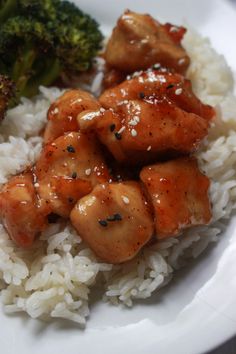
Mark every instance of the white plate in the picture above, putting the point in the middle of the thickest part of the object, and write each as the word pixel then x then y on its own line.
pixel 197 311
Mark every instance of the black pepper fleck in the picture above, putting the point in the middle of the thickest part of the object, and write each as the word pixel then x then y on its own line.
pixel 141 95
pixel 118 217
pixel 74 175
pixel 112 127
pixel 118 136
pixel 70 148
pixel 70 200
pixel 49 154
pixel 103 223
pixel 53 218
pixel 170 86
pixel 115 217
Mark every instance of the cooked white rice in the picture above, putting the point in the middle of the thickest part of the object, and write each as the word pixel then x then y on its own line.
pixel 55 278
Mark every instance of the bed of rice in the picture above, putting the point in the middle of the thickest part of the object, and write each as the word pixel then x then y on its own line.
pixel 56 277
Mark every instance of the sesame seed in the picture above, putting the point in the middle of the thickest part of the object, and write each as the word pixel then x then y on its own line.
pixel 121 130
pixel 178 91
pixel 137 73
pixel 125 199
pixel 149 148
pixel 134 121
pixel 181 61
pixel 55 111
pixel 36 185
pixel 157 66
pixel 134 132
pixel 174 29
pixel 88 172
pixel 102 110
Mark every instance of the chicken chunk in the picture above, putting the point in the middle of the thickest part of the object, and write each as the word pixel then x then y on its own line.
pixel 159 84
pixel 160 128
pixel 179 194
pixel 22 212
pixel 63 112
pixel 112 77
pixel 120 222
pixel 153 114
pixel 138 41
pixel 67 169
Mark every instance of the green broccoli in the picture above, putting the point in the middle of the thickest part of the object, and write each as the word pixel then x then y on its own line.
pixel 7 8
pixel 47 39
pixel 7 92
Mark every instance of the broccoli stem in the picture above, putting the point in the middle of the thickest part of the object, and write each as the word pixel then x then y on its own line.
pixel 22 69
pixel 7 9
pixel 51 72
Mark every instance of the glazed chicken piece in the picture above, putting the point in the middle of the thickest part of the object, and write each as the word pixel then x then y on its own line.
pixel 159 84
pixel 138 41
pixel 114 220
pixel 22 212
pixel 162 130
pixel 112 77
pixel 67 170
pixel 179 194
pixel 149 116
pixel 63 112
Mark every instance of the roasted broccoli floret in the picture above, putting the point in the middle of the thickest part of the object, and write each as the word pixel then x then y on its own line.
pixel 7 8
pixel 7 92
pixel 47 39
